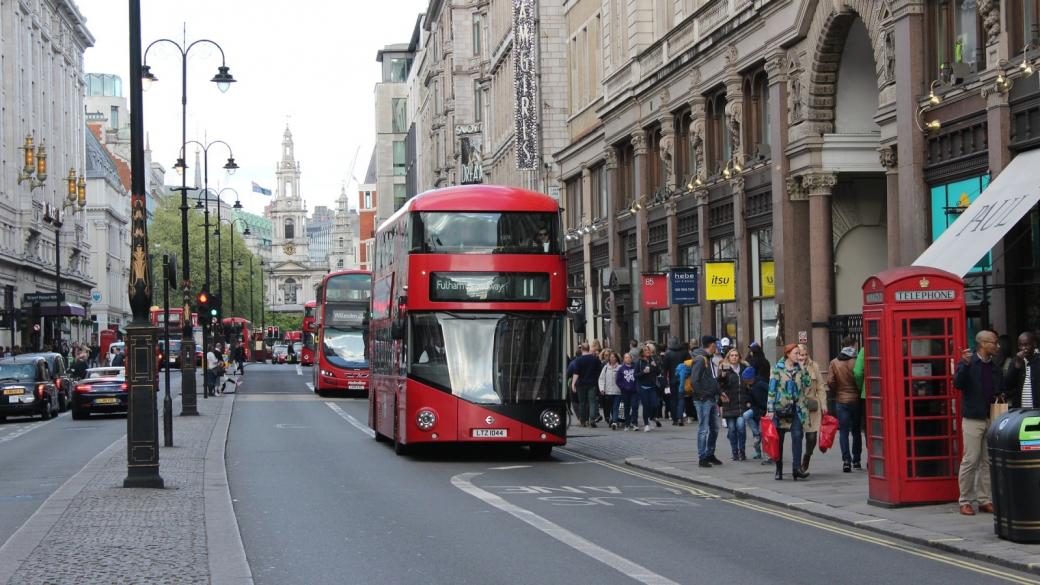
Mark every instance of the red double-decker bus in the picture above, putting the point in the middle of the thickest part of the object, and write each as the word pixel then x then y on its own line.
pixel 307 353
pixel 340 349
pixel 238 331
pixel 468 303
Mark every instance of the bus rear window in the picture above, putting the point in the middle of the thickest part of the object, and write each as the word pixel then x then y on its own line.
pixel 486 232
pixel 348 287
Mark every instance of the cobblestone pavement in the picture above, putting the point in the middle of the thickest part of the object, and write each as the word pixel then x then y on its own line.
pixel 829 493
pixel 111 535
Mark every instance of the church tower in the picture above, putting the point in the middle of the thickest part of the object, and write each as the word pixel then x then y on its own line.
pixel 344 248
pixel 291 272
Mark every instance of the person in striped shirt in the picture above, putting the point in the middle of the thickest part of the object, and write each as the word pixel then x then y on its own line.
pixel 1023 375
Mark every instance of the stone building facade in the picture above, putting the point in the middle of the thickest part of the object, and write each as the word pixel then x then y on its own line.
pixel 41 77
pixel 785 137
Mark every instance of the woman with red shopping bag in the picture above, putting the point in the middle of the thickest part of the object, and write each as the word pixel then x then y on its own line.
pixel 786 408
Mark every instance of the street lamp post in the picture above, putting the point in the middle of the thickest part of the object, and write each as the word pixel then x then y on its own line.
pixel 252 313
pixel 223 79
pixel 231 253
pixel 76 199
pixel 220 264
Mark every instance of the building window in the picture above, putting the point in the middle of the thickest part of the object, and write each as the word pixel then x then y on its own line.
pixel 339 263
pixel 399 69
pixel 477 40
pixel 290 229
pixel 399 115
pixel 478 102
pixel 756 114
pixel 1026 13
pixel 955 28
pixel 763 290
pixel 113 118
pixel 399 158
pixel 289 290
pixel 573 202
pixel 718 146
pixel 683 149
pixel 400 195
pixel 655 178
pixel 368 200
pixel 626 177
pixel 603 191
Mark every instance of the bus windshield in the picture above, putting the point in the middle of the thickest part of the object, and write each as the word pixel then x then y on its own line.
pixel 486 232
pixel 521 363
pixel 348 287
pixel 344 348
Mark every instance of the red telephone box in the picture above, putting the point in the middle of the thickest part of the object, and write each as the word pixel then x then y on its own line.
pixel 913 333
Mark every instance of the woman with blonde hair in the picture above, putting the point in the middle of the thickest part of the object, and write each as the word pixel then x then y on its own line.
pixel 786 405
pixel 735 401
pixel 815 397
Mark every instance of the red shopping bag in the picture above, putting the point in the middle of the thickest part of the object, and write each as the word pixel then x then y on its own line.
pixel 828 429
pixel 770 439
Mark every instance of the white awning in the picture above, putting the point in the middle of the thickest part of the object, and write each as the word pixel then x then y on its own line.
pixel 999 207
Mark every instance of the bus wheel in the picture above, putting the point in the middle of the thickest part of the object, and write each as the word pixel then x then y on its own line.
pixel 541 451
pixel 399 447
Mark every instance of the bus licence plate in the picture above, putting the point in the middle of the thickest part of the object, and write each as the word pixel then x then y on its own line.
pixel 106 401
pixel 495 433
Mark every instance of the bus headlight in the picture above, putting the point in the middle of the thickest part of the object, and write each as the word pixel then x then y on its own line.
pixel 328 374
pixel 425 419
pixel 550 419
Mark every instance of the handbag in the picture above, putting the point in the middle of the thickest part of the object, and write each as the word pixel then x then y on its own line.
pixel 828 430
pixel 997 408
pixel 812 404
pixel 770 439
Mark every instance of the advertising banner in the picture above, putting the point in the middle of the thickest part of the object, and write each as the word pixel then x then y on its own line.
pixel 720 281
pixel 684 286
pixel 526 105
pixel 767 272
pixel 655 291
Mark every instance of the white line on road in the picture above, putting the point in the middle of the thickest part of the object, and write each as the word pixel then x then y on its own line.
pixel 18 432
pixel 310 386
pixel 299 370
pixel 346 416
pixel 505 467
pixel 578 543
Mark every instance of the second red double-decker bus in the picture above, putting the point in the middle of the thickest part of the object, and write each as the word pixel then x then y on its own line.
pixel 468 302
pixel 238 331
pixel 340 356
pixel 307 353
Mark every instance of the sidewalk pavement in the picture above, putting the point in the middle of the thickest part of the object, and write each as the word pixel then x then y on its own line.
pixel 828 493
pixel 92 530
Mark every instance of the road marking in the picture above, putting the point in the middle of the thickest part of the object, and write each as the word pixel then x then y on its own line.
pixel 684 487
pixel 346 416
pixel 19 431
pixel 299 370
pixel 504 467
pixel 624 566
pixel 290 426
pixel 310 386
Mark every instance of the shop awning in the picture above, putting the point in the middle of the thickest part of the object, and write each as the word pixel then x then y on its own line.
pixel 983 223
pixel 66 309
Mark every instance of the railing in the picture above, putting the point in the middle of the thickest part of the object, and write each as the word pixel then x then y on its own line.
pixel 842 326
pixel 713 16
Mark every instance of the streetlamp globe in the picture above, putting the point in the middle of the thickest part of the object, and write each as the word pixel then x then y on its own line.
pixel 231 165
pixel 223 78
pixel 147 77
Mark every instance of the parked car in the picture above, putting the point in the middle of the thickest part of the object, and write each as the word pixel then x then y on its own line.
pixel 60 373
pixel 26 388
pixel 279 354
pixel 103 390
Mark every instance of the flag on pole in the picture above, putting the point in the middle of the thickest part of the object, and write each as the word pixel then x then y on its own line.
pixel 258 189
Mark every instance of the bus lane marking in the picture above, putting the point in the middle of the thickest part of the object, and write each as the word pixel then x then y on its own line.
pixel 463 481
pixel 310 386
pixel 299 370
pixel 18 431
pixel 350 419
pixel 587 495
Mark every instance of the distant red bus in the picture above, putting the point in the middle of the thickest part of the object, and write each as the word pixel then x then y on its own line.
pixel 468 302
pixel 307 353
pixel 341 353
pixel 238 331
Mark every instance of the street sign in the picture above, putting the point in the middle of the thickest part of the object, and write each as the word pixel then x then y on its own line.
pixel 95 296
pixel 41 297
pixel 575 305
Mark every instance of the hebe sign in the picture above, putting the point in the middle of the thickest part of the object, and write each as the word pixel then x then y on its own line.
pixel 655 291
pixel 684 286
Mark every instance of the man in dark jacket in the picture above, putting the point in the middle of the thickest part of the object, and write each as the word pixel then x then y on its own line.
pixel 706 400
pixel 842 382
pixel 584 374
pixel 1023 375
pixel 676 354
pixel 979 379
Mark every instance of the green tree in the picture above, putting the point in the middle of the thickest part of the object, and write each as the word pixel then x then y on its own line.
pixel 285 321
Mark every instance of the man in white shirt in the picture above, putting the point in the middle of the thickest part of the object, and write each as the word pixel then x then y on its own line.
pixel 213 359
pixel 1023 375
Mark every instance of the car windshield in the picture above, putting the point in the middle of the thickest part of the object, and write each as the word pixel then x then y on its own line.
pixel 344 347
pixel 486 232
pixel 104 372
pixel 489 358
pixel 17 372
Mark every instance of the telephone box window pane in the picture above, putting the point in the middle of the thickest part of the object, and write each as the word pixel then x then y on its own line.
pixel 919 408
pixel 932 428
pixel 874 368
pixel 933 468
pixel 926 327
pixel 875 408
pixel 926 389
pixel 877 448
pixel 872 328
pixel 931 448
pixel 874 387
pixel 927 347
pixel 877 467
pixel 877 428
pixel 874 348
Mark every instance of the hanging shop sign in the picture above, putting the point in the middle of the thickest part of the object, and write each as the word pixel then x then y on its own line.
pixel 655 291
pixel 525 108
pixel 767 272
pixel 684 286
pixel 720 281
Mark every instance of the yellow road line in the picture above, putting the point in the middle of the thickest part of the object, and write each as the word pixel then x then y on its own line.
pixel 877 540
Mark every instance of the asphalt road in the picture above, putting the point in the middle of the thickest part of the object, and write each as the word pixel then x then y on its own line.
pixel 37 457
pixel 319 501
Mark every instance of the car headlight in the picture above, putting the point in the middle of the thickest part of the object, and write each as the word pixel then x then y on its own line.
pixel 425 419
pixel 550 419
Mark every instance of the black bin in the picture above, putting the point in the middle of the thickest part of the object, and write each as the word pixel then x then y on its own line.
pixel 1013 441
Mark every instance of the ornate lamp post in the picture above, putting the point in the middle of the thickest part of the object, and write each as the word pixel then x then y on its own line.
pixel 231 253
pixel 76 199
pixel 223 79
pixel 35 163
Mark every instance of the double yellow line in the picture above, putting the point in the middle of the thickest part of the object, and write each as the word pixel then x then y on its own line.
pixel 850 533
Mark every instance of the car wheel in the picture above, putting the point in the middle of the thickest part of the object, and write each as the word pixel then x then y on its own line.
pixel 46 414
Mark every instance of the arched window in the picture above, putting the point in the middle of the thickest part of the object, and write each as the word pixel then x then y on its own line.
pixel 290 229
pixel 339 263
pixel 341 242
pixel 290 291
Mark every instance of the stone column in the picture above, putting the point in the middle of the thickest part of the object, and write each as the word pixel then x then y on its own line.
pixel 614 244
pixel 740 244
pixel 735 114
pixel 912 82
pixel 667 152
pixel 998 121
pixel 704 244
pixel 672 222
pixel 639 149
pixel 889 159
pixel 820 186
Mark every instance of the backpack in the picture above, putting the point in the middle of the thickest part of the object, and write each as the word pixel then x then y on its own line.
pixel 682 373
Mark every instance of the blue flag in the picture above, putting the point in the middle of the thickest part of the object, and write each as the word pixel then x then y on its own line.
pixel 260 190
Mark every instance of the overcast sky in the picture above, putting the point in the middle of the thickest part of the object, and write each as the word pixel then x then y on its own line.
pixel 309 62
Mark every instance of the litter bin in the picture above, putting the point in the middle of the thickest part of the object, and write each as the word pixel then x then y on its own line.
pixel 1013 441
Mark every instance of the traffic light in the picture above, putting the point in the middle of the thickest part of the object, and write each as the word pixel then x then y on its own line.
pixel 215 309
pixel 203 300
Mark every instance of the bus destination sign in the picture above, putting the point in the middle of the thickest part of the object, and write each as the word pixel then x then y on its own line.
pixel 487 287
pixel 346 317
